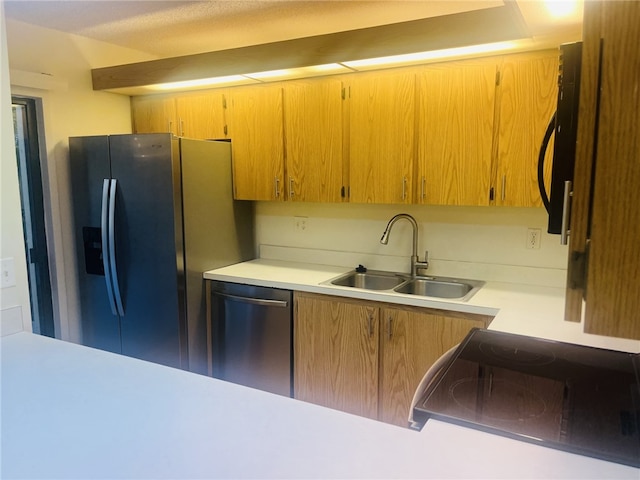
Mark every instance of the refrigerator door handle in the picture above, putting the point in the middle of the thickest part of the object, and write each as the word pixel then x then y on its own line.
pixel 105 243
pixel 112 246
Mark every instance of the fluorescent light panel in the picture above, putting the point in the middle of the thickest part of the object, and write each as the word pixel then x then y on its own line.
pixel 334 68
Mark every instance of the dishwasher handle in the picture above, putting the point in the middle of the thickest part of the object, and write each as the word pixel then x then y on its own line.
pixel 253 301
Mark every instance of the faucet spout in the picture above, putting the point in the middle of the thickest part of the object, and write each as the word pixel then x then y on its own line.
pixel 415 260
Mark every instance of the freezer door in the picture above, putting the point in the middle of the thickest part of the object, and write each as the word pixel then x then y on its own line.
pixel 148 247
pixel 89 168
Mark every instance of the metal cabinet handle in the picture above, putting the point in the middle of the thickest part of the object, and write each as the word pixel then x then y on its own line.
pixel 423 189
pixel 112 246
pixel 104 229
pixel 370 325
pixel 390 328
pixel 276 182
pixel 291 192
pixel 404 188
pixel 253 301
pixel 181 128
pixel 504 186
pixel 566 213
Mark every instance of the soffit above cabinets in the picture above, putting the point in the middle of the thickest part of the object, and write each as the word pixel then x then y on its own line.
pixel 201 40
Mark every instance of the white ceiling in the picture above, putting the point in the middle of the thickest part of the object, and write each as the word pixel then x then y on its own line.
pixel 173 28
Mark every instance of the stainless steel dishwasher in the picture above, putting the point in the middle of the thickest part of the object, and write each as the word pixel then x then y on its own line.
pixel 251 336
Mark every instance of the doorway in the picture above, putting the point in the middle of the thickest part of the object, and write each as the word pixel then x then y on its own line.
pixel 25 123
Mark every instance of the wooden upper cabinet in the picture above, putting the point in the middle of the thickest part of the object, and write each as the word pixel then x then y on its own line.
pixel 381 137
pixel 609 124
pixel 411 341
pixel 336 353
pixel 154 114
pixel 527 96
pixel 313 140
pixel 201 115
pixel 456 109
pixel 255 126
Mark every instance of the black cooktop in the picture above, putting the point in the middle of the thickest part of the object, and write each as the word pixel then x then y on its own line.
pixel 580 399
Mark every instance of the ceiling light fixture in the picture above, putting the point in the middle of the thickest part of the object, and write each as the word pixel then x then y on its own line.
pixel 561 8
pixel 424 57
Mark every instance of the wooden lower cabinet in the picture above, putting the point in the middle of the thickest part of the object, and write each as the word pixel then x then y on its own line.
pixel 368 358
pixel 336 353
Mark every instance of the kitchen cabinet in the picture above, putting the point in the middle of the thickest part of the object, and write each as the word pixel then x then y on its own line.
pixel 255 126
pixel 456 108
pixel 381 137
pixel 412 339
pixel 368 358
pixel 194 115
pixel 313 121
pixel 201 115
pixel 526 98
pixel 605 220
pixel 336 353
pixel 154 114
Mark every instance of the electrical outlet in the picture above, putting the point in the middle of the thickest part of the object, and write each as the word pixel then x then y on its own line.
pixel 300 223
pixel 7 273
pixel 533 238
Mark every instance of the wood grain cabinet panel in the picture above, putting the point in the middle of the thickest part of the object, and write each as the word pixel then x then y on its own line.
pixel 255 126
pixel 456 109
pixel 381 137
pixel 201 115
pixel 609 125
pixel 154 114
pixel 412 340
pixel 368 358
pixel 313 140
pixel 336 354
pixel 527 97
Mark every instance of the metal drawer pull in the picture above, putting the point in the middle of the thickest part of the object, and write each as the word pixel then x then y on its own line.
pixel 291 192
pixel 423 187
pixel 404 188
pixel 566 213
pixel 277 186
pixel 253 301
pixel 390 328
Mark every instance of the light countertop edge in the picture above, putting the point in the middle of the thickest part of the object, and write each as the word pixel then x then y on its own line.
pixel 518 308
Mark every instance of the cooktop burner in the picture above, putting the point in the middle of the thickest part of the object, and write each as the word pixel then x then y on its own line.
pixel 575 398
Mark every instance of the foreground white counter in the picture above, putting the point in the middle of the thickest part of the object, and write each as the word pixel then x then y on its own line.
pixel 74 412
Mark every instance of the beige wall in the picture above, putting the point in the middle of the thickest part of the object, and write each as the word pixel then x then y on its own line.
pixel 474 242
pixel 70 108
pixel 15 312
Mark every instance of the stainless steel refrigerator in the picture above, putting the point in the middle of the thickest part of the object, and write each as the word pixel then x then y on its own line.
pixel 152 212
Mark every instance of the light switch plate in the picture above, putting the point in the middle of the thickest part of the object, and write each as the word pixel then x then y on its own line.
pixel 7 273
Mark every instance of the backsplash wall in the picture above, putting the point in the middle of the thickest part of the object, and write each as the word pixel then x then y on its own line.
pixel 487 243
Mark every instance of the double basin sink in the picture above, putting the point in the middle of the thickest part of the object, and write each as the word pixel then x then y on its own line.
pixel 426 286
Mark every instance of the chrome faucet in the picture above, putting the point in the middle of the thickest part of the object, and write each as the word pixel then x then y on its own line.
pixel 416 263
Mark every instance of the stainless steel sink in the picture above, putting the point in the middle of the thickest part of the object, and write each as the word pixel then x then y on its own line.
pixel 440 287
pixel 371 280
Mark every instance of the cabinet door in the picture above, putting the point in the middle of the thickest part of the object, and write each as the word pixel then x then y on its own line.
pixel 313 138
pixel 527 95
pixel 256 131
pixel 336 354
pixel 612 297
pixel 456 108
pixel 154 114
pixel 381 137
pixel 201 115
pixel 412 341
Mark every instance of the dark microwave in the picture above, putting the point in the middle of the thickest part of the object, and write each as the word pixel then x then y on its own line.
pixel 564 125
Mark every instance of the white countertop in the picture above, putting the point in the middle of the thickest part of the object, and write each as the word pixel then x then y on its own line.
pixel 523 309
pixel 70 411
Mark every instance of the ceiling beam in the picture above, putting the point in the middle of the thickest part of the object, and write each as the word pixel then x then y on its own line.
pixel 489 25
